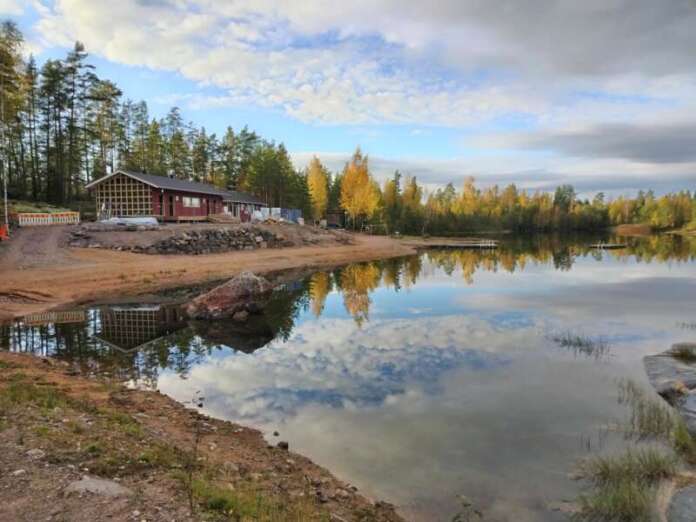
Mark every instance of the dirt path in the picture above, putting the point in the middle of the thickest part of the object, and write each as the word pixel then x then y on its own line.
pixel 38 273
pixel 35 247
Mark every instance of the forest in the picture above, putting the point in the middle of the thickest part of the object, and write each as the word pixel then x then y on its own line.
pixel 62 126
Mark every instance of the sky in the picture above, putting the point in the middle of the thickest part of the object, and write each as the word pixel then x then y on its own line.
pixel 600 94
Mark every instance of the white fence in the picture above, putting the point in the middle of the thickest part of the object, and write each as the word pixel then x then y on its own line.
pixel 39 219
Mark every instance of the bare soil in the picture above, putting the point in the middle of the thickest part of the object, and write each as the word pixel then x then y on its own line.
pixel 56 427
pixel 39 272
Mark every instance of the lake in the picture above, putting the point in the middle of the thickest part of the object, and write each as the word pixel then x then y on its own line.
pixel 482 374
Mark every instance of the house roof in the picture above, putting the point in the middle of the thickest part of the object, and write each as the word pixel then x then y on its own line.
pixel 167 183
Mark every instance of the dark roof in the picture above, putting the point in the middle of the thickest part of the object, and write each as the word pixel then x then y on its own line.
pixel 242 197
pixel 167 183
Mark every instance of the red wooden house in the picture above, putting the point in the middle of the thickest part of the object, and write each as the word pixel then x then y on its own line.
pixel 135 194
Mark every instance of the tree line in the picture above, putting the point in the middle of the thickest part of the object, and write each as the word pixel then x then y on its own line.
pixel 402 205
pixel 63 127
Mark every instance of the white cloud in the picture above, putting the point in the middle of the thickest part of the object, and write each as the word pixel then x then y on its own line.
pixel 344 65
pixel 462 64
pixel 11 7
pixel 528 171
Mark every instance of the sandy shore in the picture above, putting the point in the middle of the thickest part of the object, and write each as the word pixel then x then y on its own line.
pixel 39 273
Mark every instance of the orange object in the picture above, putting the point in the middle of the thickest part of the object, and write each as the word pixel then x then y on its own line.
pixel 4 232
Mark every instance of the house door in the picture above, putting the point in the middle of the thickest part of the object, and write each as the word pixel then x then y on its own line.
pixel 171 206
pixel 161 204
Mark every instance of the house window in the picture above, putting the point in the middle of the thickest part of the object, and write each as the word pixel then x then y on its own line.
pixel 192 202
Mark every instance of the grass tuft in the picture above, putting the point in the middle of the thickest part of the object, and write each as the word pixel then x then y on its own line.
pixel 623 502
pixel 247 504
pixel 684 354
pixel 582 345
pixel 644 465
pixel 623 486
pixel 650 418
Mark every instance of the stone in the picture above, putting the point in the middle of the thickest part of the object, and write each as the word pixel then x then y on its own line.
pixel 36 454
pixel 97 486
pixel 231 297
pixel 675 381
pixel 342 494
pixel 18 472
pixel 241 316
pixel 283 445
pixel 683 506
pixel 230 467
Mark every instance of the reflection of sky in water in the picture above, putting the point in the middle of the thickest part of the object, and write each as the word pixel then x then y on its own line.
pixel 452 388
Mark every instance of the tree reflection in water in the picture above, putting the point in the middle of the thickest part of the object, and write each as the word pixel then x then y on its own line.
pixel 134 343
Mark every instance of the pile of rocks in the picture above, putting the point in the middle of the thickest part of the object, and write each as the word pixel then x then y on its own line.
pixel 192 242
pixel 215 240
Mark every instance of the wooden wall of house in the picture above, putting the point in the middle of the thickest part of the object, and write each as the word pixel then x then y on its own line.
pixel 209 204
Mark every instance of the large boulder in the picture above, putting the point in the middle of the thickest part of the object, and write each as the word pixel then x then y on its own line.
pixel 246 292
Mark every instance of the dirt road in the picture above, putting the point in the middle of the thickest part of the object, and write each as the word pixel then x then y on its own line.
pixel 37 272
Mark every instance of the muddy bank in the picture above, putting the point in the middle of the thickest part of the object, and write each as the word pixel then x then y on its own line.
pixel 76 448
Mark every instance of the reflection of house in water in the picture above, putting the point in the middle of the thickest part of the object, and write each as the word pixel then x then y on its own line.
pixel 67 317
pixel 130 328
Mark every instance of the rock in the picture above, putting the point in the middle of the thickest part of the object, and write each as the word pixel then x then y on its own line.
pixel 675 381
pixel 563 506
pixel 36 454
pixel 258 239
pixel 275 434
pixel 241 316
pixel 283 445
pixel 18 472
pixel 683 506
pixel 341 494
pixel 231 297
pixel 98 486
pixel 230 467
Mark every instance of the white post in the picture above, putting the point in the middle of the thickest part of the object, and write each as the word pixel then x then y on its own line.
pixel 2 155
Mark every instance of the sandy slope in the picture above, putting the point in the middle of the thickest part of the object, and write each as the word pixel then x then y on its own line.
pixel 37 272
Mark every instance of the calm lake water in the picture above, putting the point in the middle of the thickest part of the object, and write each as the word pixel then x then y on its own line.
pixel 419 379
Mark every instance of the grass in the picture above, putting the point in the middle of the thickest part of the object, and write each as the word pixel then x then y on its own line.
pixel 623 486
pixel 582 345
pixel 644 465
pixel 624 502
pixel 649 418
pixel 112 443
pixel 19 392
pixel 247 504
pixel 34 206
pixel 684 354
